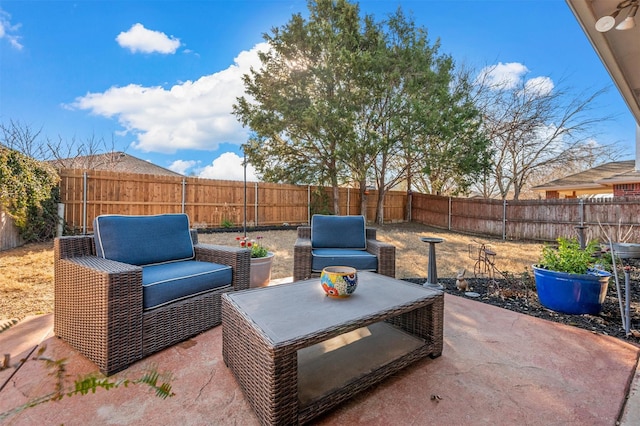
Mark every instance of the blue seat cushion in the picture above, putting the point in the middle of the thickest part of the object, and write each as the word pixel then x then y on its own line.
pixel 359 259
pixel 143 240
pixel 168 282
pixel 347 232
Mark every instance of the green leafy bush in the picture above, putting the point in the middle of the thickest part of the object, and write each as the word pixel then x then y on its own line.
pixel 569 257
pixel 42 222
pixel 26 187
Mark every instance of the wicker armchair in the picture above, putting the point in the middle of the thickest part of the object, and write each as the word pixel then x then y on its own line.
pixel 99 303
pixel 303 254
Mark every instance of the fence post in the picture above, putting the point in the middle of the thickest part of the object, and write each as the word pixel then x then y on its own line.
pixel 308 203
pixel 84 203
pixel 504 220
pixel 256 205
pixel 184 193
pixel 60 227
pixel 348 200
pixel 450 212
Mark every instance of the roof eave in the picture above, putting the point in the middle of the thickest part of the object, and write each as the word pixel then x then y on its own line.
pixel 568 187
pixel 584 15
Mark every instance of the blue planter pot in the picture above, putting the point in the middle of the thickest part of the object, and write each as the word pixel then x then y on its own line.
pixel 571 293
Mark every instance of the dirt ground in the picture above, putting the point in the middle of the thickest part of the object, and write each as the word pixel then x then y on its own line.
pixel 26 273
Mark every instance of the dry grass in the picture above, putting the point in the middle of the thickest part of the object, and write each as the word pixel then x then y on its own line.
pixel 26 281
pixel 26 286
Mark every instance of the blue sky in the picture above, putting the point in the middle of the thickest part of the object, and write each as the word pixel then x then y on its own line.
pixel 158 78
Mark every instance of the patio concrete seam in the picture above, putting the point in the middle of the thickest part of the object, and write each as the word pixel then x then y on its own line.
pixel 19 366
pixel 635 376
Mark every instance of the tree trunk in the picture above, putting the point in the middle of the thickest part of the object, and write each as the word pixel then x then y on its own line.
pixel 380 206
pixel 407 211
pixel 363 198
pixel 336 199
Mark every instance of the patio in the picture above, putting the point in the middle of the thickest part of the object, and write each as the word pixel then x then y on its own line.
pixel 497 367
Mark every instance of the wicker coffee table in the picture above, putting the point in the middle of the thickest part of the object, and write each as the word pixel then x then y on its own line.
pixel 297 353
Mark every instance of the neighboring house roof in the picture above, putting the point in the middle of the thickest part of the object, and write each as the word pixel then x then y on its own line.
pixel 600 177
pixel 113 161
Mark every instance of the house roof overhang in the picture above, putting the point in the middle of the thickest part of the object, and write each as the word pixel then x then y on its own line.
pixel 585 187
pixel 619 51
pixel 631 177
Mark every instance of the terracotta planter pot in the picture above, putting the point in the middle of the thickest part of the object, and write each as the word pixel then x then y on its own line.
pixel 261 270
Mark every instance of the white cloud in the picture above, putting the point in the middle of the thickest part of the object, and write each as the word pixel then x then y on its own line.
pixel 190 115
pixel 540 86
pixel 511 76
pixel 7 30
pixel 140 39
pixel 228 167
pixel 181 166
pixel 503 76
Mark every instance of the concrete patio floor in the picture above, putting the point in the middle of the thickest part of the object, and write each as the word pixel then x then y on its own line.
pixel 498 368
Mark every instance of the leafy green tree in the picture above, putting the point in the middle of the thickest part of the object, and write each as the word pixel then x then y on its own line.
pixel 301 104
pixel 343 99
pixel 428 126
pixel 455 152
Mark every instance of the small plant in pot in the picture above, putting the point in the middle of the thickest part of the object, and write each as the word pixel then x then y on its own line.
pixel 261 261
pixel 567 279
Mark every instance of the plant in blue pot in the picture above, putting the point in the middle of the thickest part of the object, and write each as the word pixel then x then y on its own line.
pixel 568 279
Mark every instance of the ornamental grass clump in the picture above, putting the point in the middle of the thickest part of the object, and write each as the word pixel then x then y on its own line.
pixel 569 257
pixel 256 247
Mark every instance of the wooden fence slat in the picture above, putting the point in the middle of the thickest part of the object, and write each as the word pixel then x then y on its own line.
pixel 9 235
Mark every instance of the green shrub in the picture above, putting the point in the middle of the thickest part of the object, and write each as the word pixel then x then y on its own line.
pixel 320 202
pixel 26 187
pixel 568 257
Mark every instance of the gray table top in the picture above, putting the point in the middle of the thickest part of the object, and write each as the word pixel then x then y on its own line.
pixel 289 312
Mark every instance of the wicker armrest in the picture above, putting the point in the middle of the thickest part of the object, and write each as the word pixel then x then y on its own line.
pixel 371 233
pixel 386 254
pixel 73 246
pixel 238 258
pixel 98 310
pixel 304 232
pixel 302 259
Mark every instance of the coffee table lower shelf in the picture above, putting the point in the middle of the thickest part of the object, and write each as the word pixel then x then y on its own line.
pixel 335 370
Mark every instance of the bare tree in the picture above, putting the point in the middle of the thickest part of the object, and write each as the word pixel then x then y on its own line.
pixel 23 138
pixel 536 128
pixel 91 152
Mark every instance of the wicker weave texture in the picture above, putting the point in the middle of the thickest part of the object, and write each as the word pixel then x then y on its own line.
pixel 267 370
pixel 385 252
pixel 98 304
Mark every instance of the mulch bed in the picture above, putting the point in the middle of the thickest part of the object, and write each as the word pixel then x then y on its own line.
pixel 518 294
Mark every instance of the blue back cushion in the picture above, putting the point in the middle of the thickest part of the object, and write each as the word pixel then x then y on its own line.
pixel 338 232
pixel 143 240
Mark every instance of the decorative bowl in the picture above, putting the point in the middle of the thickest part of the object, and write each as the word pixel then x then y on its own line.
pixel 339 281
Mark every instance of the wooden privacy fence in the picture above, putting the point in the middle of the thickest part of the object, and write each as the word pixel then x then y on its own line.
pixel 537 220
pixel 9 235
pixel 216 203
pixel 209 203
